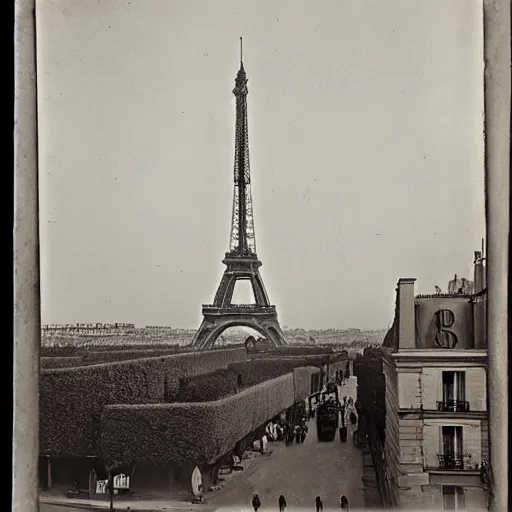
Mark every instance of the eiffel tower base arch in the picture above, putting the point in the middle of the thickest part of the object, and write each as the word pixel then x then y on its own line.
pixel 213 325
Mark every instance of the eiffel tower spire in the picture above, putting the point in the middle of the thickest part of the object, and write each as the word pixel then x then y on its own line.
pixel 242 239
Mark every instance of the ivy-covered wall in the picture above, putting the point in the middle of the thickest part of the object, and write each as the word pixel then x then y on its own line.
pixel 72 399
pixel 191 433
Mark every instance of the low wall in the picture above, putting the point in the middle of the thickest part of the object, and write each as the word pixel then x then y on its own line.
pixel 71 399
pixel 191 433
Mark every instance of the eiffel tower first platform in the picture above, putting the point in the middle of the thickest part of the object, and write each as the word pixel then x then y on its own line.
pixel 241 261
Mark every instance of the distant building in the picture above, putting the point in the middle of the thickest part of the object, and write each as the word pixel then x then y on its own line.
pixel 435 360
pixel 96 329
pixel 460 286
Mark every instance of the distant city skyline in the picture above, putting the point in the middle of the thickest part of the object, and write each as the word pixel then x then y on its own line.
pixel 366 140
pixel 177 328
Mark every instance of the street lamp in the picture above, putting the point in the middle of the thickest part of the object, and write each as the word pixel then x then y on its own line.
pixel 111 468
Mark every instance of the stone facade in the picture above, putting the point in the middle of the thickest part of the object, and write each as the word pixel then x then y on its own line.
pixel 436 402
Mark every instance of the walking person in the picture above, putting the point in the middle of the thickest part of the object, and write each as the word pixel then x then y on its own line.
pixel 344 503
pixel 303 434
pixel 256 502
pixel 319 504
pixel 290 435
pixel 282 503
pixel 297 434
pixel 342 411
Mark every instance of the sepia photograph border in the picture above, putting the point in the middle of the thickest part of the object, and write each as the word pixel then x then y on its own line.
pixel 27 325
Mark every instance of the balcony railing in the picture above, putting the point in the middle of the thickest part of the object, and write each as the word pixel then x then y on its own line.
pixel 453 405
pixel 454 462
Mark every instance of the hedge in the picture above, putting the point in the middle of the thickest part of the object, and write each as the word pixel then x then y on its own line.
pixel 103 356
pixel 261 369
pixel 302 381
pixel 67 351
pixel 300 351
pixel 208 387
pixel 317 359
pixel 148 345
pixel 110 356
pixel 87 357
pixel 224 382
pixel 190 433
pixel 60 362
pixel 71 399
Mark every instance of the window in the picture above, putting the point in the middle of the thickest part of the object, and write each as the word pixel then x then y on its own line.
pixel 453 498
pixel 454 392
pixel 452 456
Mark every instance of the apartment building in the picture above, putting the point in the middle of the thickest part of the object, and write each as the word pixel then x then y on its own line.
pixel 435 366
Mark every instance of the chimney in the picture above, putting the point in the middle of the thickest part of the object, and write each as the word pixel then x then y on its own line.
pixel 406 314
pixel 479 276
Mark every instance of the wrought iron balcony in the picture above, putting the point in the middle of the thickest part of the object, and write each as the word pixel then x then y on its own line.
pixel 453 405
pixel 450 461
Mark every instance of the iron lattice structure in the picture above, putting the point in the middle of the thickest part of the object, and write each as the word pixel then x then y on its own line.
pixel 242 239
pixel 241 260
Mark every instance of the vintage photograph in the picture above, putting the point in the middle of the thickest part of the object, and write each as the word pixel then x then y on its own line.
pixel 263 256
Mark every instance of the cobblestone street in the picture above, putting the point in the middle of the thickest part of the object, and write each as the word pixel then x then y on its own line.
pixel 300 473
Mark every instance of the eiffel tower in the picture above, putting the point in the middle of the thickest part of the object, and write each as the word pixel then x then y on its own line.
pixel 241 261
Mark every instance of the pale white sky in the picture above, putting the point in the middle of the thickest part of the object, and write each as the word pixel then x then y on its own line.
pixel 366 139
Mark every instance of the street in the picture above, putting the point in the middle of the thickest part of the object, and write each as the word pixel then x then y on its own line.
pixel 299 472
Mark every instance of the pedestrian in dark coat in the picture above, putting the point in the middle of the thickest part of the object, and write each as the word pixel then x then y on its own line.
pixel 342 410
pixel 319 504
pixel 256 502
pixel 344 503
pixel 290 435
pixel 282 503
